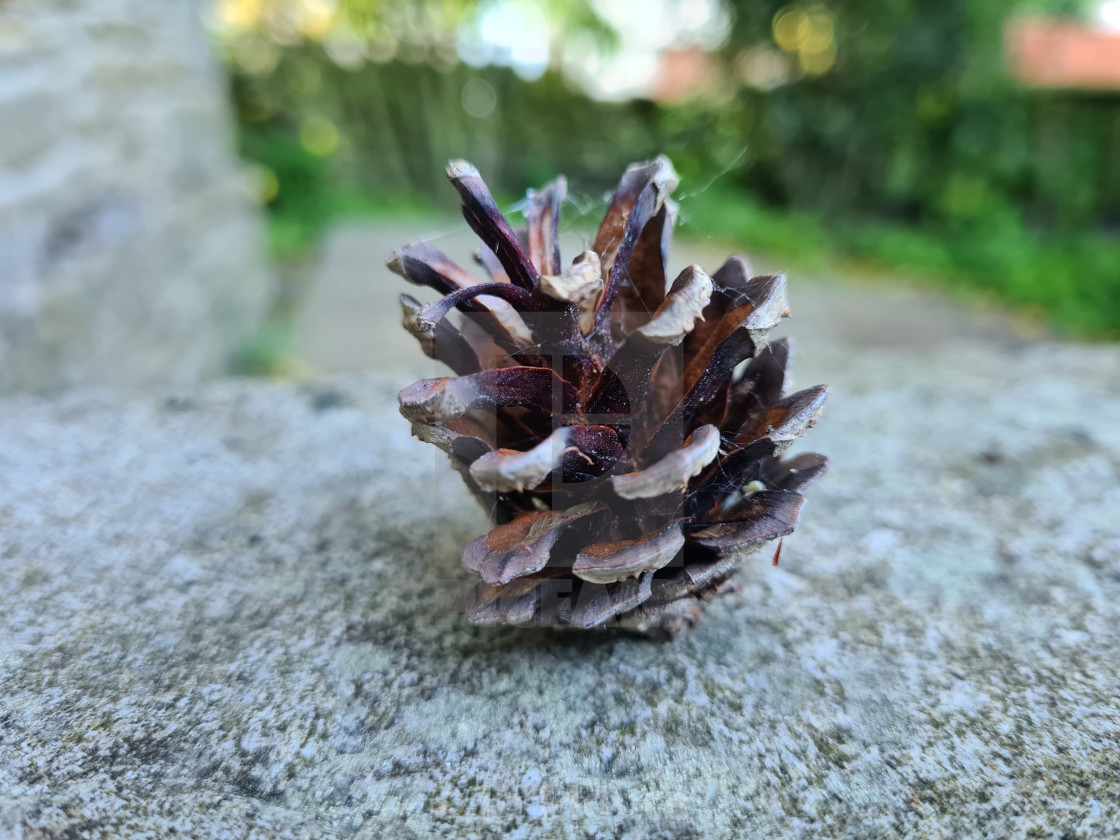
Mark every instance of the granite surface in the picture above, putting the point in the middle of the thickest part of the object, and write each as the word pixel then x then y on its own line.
pixel 227 613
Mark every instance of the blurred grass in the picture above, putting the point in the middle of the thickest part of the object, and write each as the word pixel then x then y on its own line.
pixel 294 236
pixel 1072 284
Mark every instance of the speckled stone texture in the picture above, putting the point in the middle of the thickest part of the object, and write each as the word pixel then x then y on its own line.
pixel 227 613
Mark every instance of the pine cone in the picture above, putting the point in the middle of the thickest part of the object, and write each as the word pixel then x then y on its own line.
pixel 624 433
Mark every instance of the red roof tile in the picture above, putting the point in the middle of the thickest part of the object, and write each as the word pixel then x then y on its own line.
pixel 1054 54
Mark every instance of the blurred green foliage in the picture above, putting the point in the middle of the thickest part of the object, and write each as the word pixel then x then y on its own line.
pixel 911 149
pixel 401 123
pixel 918 120
pixel 1071 282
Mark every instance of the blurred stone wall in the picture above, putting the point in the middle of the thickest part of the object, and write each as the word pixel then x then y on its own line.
pixel 130 250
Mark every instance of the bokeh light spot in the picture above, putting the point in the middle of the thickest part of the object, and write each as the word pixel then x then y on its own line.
pixel 238 14
pixel 319 136
pixel 1108 13
pixel 763 67
pixel 264 186
pixel 479 98
pixel 346 47
pixel 817 63
pixel 792 28
pixel 821 36
pixel 316 17
pixel 255 55
pixel 809 32
pixel 508 33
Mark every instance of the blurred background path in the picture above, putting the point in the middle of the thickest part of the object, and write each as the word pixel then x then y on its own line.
pixel 350 320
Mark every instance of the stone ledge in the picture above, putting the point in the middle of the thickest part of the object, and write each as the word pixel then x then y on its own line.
pixel 227 612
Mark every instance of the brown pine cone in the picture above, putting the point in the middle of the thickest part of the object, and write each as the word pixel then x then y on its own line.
pixel 623 431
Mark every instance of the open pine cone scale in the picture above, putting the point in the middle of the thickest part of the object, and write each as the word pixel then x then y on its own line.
pixel 624 431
